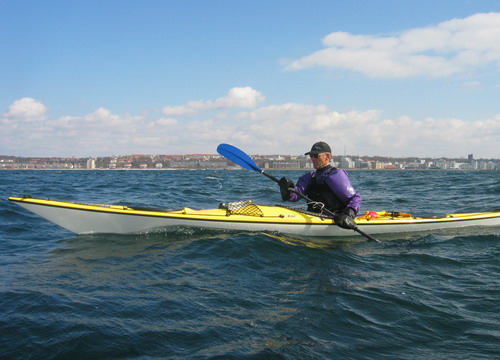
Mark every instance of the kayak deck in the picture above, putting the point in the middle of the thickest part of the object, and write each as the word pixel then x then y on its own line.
pixel 240 215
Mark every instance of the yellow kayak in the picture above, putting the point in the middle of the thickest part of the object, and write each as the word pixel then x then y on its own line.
pixel 83 218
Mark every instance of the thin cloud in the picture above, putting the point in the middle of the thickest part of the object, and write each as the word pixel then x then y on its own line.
pixel 441 50
pixel 238 97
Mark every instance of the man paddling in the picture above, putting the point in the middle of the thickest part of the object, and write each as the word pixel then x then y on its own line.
pixel 327 186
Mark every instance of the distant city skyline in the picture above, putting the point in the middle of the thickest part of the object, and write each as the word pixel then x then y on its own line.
pixel 468 157
pixel 395 78
pixel 218 162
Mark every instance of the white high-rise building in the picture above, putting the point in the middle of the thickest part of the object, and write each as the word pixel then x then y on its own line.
pixel 90 163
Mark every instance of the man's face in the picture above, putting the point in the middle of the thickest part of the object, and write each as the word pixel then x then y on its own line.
pixel 321 160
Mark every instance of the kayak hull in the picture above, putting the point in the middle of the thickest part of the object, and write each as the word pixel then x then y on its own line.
pixel 97 218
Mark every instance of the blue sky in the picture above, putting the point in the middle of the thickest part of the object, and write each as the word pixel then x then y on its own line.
pixel 391 78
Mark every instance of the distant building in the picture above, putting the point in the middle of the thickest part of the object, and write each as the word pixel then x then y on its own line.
pixel 346 163
pixel 361 164
pixel 91 164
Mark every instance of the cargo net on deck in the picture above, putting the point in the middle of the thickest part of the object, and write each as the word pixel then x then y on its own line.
pixel 242 207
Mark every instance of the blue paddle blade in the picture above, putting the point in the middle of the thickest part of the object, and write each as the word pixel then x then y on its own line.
pixel 237 156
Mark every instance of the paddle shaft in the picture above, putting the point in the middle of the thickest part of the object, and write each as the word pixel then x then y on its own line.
pixel 273 178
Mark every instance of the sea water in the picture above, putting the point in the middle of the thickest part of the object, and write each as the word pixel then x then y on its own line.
pixel 198 294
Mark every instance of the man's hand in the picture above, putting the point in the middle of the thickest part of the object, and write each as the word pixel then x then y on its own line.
pixel 345 219
pixel 285 186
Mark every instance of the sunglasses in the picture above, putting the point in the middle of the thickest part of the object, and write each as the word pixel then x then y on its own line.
pixel 315 156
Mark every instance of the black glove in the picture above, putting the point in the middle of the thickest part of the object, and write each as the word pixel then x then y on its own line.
pixel 285 186
pixel 345 219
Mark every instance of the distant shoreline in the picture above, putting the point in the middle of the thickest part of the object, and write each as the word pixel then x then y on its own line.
pixel 270 170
